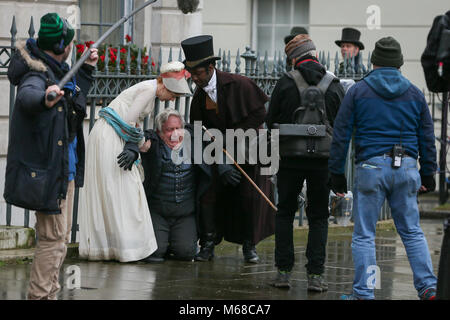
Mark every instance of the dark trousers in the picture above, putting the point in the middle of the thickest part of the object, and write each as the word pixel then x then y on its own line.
pixel 443 284
pixel 175 235
pixel 215 206
pixel 289 184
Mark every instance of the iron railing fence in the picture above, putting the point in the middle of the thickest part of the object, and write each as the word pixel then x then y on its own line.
pixel 265 71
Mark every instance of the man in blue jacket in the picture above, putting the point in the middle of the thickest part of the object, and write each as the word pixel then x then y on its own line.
pixel 392 128
pixel 45 159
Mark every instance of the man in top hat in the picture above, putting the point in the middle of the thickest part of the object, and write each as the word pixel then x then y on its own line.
pixel 350 47
pixel 295 31
pixel 231 209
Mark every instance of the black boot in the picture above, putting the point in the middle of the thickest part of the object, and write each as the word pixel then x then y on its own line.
pixel 206 248
pixel 249 251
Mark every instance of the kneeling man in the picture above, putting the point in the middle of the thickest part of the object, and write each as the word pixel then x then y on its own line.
pixel 172 188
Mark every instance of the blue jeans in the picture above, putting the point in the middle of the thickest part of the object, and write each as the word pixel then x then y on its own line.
pixel 376 181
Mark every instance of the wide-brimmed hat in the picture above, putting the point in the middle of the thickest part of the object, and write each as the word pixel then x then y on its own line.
pixel 350 35
pixel 294 32
pixel 198 50
pixel 174 77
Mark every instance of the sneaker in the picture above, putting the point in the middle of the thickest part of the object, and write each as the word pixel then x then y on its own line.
pixel 429 294
pixel 349 297
pixel 316 283
pixel 282 279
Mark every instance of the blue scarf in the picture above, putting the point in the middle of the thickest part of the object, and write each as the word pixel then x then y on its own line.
pixel 124 130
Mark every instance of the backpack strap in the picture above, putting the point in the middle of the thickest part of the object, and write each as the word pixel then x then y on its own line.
pixel 325 82
pixel 298 79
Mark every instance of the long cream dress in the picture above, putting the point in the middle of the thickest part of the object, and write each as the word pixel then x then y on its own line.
pixel 114 218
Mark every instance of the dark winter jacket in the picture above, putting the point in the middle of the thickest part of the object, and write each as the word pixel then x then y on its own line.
pixel 152 164
pixel 286 98
pixel 384 109
pixel 435 82
pixel 37 160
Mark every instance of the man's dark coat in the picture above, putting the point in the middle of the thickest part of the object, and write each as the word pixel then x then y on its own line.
pixel 37 161
pixel 240 105
pixel 152 164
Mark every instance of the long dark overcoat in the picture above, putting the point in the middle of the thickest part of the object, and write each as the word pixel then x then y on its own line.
pixel 241 104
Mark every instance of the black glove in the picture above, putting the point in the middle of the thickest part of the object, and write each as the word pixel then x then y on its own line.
pixel 231 177
pixel 338 183
pixel 128 156
pixel 428 182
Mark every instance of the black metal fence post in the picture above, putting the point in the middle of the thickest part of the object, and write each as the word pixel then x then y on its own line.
pixel 443 194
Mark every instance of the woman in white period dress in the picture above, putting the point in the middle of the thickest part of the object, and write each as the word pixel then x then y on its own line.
pixel 114 218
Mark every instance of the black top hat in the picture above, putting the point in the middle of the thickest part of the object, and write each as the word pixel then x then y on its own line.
pixel 350 35
pixel 198 50
pixel 295 31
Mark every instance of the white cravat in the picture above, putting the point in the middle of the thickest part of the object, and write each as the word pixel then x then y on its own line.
pixel 211 89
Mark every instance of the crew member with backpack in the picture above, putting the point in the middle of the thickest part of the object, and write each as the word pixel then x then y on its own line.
pixel 303 107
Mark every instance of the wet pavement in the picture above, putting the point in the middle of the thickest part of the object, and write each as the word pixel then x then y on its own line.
pixel 228 277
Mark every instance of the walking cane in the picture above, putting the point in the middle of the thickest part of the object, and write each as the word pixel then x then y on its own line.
pixel 243 172
pixel 52 95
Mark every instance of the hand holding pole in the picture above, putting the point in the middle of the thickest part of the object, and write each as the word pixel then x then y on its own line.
pixel 52 95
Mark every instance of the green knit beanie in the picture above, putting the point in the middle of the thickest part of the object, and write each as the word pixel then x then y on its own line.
pixel 51 32
pixel 387 53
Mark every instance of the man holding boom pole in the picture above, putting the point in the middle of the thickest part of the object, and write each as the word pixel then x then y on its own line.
pixel 46 145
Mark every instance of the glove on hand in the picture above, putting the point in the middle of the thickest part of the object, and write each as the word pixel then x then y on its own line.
pixel 338 183
pixel 231 177
pixel 128 156
pixel 428 182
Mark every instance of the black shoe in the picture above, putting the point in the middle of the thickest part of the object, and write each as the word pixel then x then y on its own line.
pixel 282 280
pixel 206 253
pixel 153 259
pixel 249 252
pixel 316 283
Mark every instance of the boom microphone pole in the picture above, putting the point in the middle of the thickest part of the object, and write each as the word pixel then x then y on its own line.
pixel 52 95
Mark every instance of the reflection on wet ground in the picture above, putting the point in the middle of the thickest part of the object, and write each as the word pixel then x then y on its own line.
pixel 228 277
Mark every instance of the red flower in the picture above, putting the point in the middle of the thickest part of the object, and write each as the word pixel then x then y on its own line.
pixel 113 57
pixel 145 59
pixel 133 58
pixel 153 63
pixel 80 48
pixel 102 57
pixel 123 50
pixel 89 43
pixel 128 38
pixel 122 61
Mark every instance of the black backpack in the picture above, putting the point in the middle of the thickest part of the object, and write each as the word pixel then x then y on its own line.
pixel 310 133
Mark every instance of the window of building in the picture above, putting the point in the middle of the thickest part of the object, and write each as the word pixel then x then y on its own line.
pixel 97 16
pixel 273 20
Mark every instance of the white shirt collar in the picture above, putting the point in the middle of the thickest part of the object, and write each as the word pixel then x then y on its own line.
pixel 211 88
